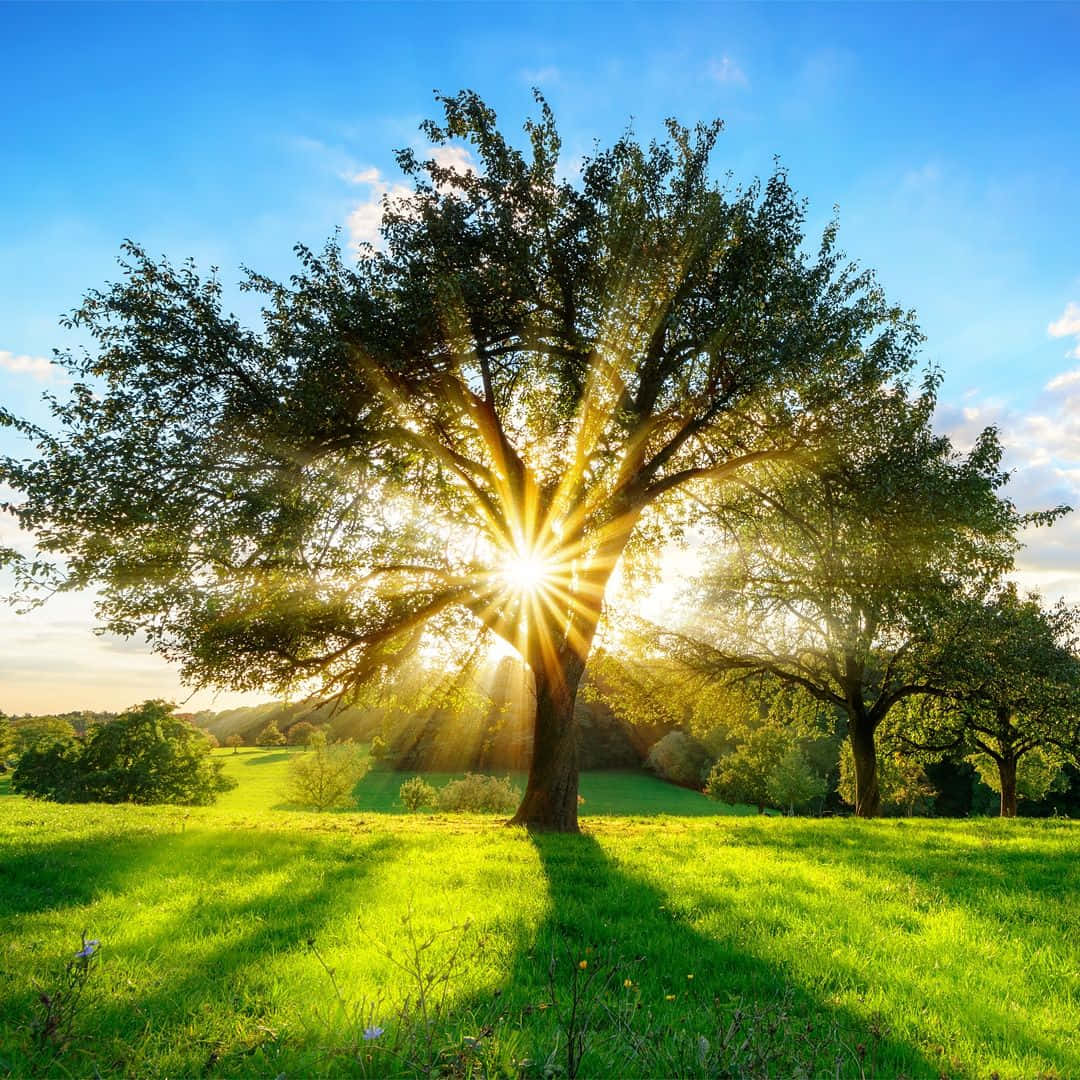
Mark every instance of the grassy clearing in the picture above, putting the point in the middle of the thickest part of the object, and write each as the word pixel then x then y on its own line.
pixel 943 948
pixel 262 776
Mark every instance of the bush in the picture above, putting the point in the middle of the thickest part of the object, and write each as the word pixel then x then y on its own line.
pixel 478 794
pixel 417 794
pixel 145 755
pixel 301 734
pixel 325 777
pixel 378 748
pixel 679 758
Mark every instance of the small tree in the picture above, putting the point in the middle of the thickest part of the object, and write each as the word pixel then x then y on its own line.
pixel 300 734
pixel 146 755
pixel 417 794
pixel 325 777
pixel 793 782
pixel 270 736
pixel 235 741
pixel 744 775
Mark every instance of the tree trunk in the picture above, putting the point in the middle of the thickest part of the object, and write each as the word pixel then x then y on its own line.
pixel 550 803
pixel 1007 775
pixel 867 792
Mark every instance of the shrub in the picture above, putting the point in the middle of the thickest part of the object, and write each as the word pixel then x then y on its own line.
pixel 300 734
pixel 270 735
pixel 478 794
pixel 378 748
pixel 679 758
pixel 325 777
pixel 145 755
pixel 417 794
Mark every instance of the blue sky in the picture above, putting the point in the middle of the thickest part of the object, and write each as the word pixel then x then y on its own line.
pixel 948 136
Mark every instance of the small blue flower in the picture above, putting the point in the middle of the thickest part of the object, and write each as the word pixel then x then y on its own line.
pixel 373 1032
pixel 88 949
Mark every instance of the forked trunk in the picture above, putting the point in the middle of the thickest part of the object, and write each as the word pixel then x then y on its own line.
pixel 863 750
pixel 1007 775
pixel 550 803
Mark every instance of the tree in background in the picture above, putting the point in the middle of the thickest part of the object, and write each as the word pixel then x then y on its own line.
pixel 1038 772
pixel 7 740
pixel 270 736
pixel 325 777
pixel 837 579
pixel 300 733
pixel 235 741
pixel 467 429
pixel 33 732
pixel 1014 692
pixel 146 755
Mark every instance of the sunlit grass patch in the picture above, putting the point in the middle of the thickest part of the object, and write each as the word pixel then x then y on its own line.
pixel 939 947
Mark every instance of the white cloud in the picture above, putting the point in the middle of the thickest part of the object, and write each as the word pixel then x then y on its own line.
pixel 725 70
pixel 37 367
pixel 450 156
pixel 365 219
pixel 1068 326
pixel 1066 378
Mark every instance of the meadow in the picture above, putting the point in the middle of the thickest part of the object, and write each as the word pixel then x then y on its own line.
pixel 248 939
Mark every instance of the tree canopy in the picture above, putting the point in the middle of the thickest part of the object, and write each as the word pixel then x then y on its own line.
pixel 465 428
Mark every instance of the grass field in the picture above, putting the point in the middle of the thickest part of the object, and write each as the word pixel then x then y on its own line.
pixel 262 778
pixel 915 948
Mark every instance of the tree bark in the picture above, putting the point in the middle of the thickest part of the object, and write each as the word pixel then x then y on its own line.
pixel 550 803
pixel 1007 775
pixel 863 750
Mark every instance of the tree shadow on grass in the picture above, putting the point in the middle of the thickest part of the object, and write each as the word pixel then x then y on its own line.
pixel 604 917
pixel 191 955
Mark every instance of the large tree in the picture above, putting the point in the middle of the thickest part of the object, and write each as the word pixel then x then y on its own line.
pixel 469 426
pixel 1014 688
pixel 840 578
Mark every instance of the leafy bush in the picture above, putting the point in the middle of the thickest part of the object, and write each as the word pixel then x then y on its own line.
pixel 793 782
pixel 679 758
pixel 326 775
pixel 145 755
pixel 417 794
pixel 478 794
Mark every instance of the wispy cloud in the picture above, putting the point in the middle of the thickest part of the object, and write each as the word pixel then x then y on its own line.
pixel 726 70
pixel 37 367
pixel 364 221
pixel 1068 326
pixel 541 76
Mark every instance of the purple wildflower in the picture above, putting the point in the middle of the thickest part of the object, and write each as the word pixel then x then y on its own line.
pixel 373 1032
pixel 88 949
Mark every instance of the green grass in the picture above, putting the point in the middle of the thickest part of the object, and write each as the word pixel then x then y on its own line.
pixel 262 776
pixel 945 948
